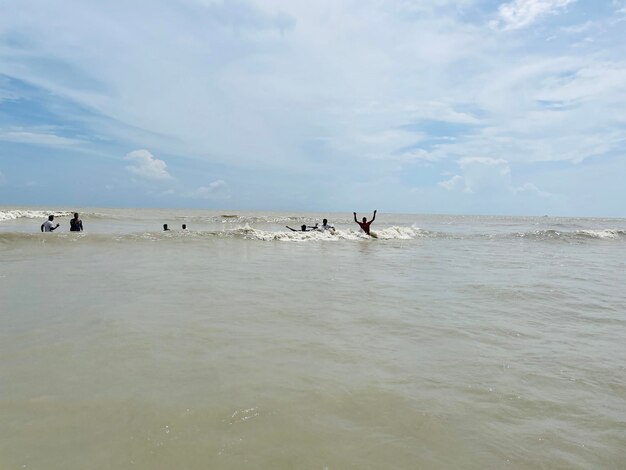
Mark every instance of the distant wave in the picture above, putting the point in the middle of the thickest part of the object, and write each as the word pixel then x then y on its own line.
pixel 30 214
pixel 251 233
pixel 245 233
pixel 603 234
pixel 14 214
pixel 234 219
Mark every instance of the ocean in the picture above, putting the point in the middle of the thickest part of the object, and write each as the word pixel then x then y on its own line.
pixel 448 342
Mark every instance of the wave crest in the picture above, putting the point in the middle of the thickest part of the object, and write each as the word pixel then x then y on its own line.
pixel 251 233
pixel 603 234
pixel 30 214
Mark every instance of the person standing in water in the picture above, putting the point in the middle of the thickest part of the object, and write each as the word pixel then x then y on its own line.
pixel 76 225
pixel 48 226
pixel 365 225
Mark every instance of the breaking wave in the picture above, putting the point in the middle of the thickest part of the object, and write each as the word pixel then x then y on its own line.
pixel 604 234
pixel 251 233
pixel 30 214
pixel 14 214
pixel 236 219
pixel 244 233
pixel 391 233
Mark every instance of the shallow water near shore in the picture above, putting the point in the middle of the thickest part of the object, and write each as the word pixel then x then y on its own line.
pixel 448 342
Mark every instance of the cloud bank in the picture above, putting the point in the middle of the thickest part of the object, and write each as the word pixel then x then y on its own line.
pixel 364 101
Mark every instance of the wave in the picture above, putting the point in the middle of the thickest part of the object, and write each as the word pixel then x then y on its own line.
pixel 603 234
pixel 30 214
pixel 251 233
pixel 14 214
pixel 391 233
pixel 235 219
pixel 245 233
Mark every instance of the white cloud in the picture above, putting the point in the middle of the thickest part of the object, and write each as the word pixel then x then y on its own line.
pixel 452 183
pixel 620 6
pixel 579 28
pixel 521 13
pixel 531 188
pixel 146 166
pixel 36 136
pixel 484 175
pixel 213 189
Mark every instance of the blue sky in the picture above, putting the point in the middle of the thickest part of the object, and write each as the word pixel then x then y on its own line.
pixel 440 106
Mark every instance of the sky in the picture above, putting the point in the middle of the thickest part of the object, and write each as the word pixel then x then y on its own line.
pixel 417 106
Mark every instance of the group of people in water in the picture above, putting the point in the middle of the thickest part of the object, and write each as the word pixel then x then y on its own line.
pixel 167 229
pixel 76 225
pixel 364 224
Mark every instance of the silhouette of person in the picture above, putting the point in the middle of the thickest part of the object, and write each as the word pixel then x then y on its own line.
pixel 365 225
pixel 303 228
pixel 76 225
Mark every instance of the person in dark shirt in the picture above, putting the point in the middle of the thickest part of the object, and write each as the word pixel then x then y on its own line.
pixel 76 225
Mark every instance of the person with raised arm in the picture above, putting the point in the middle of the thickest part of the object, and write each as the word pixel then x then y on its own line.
pixel 365 225
pixel 48 226
pixel 303 228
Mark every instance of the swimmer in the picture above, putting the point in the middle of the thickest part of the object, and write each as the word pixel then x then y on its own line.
pixel 327 227
pixel 303 228
pixel 365 225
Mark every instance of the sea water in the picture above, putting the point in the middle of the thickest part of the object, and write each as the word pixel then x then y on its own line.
pixel 447 342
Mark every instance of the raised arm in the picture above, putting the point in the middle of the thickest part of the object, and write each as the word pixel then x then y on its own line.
pixel 292 229
pixel 373 217
pixel 355 217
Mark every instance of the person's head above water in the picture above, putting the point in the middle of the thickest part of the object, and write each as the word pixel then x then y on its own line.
pixel 325 222
pixel 364 219
pixel 184 226
pixel 303 228
pixel 165 227
pixel 50 218
pixel 76 215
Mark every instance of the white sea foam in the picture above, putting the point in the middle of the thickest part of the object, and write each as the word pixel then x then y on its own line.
pixel 391 233
pixel 602 234
pixel 14 214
